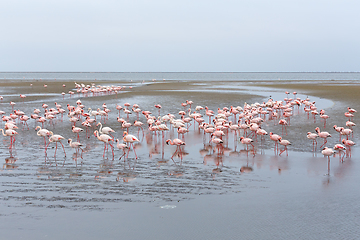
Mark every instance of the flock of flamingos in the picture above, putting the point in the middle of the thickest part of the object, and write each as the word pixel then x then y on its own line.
pixel 244 121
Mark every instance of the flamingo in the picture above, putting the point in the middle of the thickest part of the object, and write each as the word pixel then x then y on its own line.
pixel 338 129
pixel 22 96
pixel 346 132
pixel 76 146
pixel 324 116
pixel 9 133
pixel 218 143
pixel 349 115
pixel 323 135
pixel 178 144
pixel 126 125
pixel 283 123
pixel 105 139
pixel 350 124
pixel 139 125
pixel 348 144
pixel 42 133
pixel 275 138
pixel 328 152
pixel 121 146
pixel 24 119
pixel 77 130
pixel 105 130
pixel 118 107
pixel 158 106
pixel 247 141
pixel 56 138
pixel 339 147
pixel 285 143
pixel 128 138
pixel 313 137
pixel 351 110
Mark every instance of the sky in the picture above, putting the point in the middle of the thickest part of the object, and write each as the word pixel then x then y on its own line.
pixel 180 36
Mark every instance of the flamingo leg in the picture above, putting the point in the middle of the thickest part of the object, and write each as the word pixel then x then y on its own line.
pixel 112 149
pixel 124 153
pixel 63 148
pixel 128 152
pixel 134 150
pixel 55 149
pixel 325 141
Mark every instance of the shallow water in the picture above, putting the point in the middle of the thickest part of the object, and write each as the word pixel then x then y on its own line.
pixel 204 195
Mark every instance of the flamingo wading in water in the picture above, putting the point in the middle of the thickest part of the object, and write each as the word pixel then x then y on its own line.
pixel 128 138
pixel 178 143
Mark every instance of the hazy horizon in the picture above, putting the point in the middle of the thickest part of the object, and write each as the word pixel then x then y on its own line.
pixel 186 36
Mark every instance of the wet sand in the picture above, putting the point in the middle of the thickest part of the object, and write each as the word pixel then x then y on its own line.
pixel 204 196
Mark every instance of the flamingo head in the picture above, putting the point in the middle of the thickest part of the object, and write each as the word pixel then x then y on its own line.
pixel 168 141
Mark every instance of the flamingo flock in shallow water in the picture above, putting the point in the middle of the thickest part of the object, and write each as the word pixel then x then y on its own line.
pixel 249 119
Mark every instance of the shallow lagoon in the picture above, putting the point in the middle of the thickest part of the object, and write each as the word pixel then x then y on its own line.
pixel 203 196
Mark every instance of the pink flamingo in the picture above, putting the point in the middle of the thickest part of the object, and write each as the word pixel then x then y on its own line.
pixel 126 125
pixel 106 139
pixel 328 152
pixel 346 132
pixel 340 148
pixel 77 130
pixel 43 133
pixel 139 125
pixel 218 143
pixel 76 146
pixel 349 115
pixel 121 146
pixel 105 130
pixel 323 135
pixel 56 138
pixel 22 96
pixel 178 144
pixel 323 116
pixel 12 106
pixel 313 137
pixel 158 106
pixel 283 123
pixel 118 107
pixel 209 113
pixel 128 138
pixel 348 144
pixel 24 119
pixel 285 143
pixel 351 110
pixel 350 124
pixel 275 138
pixel 9 133
pixel 247 141
pixel 338 129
